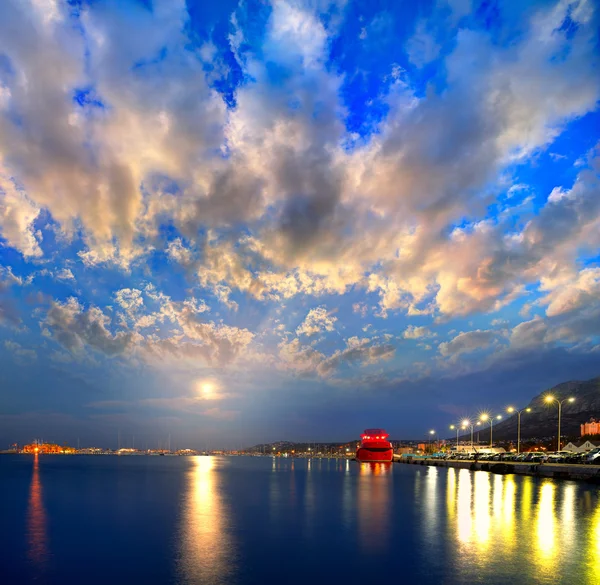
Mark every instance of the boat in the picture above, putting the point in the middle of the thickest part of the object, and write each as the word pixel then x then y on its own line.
pixel 374 447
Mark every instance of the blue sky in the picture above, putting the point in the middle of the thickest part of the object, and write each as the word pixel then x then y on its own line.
pixel 243 221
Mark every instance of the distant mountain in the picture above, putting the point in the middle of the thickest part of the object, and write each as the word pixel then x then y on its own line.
pixel 542 421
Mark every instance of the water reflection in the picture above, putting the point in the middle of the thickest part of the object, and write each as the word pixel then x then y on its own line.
pixel 495 520
pixel 36 520
pixel 374 500
pixel 593 537
pixel 207 553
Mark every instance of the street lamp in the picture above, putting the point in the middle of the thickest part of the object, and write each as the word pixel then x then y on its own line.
pixel 431 442
pixel 511 410
pixel 490 420
pixel 466 423
pixel 550 399
pixel 452 427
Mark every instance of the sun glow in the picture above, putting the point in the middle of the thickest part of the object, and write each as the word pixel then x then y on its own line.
pixel 206 389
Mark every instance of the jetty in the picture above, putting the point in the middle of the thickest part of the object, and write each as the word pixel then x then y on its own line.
pixel 589 473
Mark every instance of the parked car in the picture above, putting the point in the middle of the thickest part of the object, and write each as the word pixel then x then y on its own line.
pixel 575 458
pixel 509 457
pixel 535 457
pixel 593 457
pixel 558 456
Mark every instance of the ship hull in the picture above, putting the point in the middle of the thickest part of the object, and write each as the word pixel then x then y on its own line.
pixel 375 454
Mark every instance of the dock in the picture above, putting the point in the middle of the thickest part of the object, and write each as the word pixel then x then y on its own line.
pixel 588 473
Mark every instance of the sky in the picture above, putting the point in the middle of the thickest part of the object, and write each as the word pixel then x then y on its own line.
pixel 244 221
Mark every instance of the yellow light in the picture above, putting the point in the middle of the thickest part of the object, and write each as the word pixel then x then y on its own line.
pixel 432 432
pixel 466 422
pixel 571 399
pixel 499 417
pixel 528 410
pixel 484 417
pixel 510 409
pixel 452 427
pixel 549 398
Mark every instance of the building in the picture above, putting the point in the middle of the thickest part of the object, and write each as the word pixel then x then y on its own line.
pixel 581 446
pixel 590 428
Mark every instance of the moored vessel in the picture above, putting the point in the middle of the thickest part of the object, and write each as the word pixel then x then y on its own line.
pixel 374 447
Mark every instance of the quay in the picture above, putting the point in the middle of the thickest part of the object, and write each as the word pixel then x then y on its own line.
pixel 589 473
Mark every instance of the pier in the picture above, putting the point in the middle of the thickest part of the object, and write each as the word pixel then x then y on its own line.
pixel 589 473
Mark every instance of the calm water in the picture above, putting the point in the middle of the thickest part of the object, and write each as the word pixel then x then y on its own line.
pixel 127 520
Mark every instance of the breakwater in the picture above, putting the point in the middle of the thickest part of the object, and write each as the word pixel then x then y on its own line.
pixel 589 473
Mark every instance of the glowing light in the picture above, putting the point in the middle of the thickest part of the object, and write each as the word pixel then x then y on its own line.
pixel 528 410
pixel 484 417
pixel 546 529
pixel 571 399
pixel 452 427
pixel 549 398
pixel 205 537
pixel 510 409
pixel 432 432
pixel 466 422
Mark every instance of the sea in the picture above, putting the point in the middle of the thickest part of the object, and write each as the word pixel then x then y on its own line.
pixel 125 520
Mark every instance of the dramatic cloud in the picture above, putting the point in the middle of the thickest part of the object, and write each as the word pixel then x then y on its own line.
pixel 231 193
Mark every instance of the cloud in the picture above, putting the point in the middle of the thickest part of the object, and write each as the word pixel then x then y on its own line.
pixel 27 355
pixel 412 332
pixel 317 320
pixel 467 342
pixel 75 327
pixel 17 216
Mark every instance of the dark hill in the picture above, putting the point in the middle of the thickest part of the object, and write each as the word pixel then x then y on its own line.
pixel 542 421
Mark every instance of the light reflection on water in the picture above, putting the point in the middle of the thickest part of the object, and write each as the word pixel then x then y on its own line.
pixel 496 522
pixel 207 552
pixel 374 495
pixel 473 526
pixel 36 521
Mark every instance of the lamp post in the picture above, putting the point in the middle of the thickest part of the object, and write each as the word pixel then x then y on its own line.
pixel 550 399
pixel 465 424
pixel 452 427
pixel 431 441
pixel 490 420
pixel 511 410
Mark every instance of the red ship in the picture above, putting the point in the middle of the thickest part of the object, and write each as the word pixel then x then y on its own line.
pixel 374 446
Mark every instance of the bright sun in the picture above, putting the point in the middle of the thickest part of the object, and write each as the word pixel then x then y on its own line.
pixel 206 389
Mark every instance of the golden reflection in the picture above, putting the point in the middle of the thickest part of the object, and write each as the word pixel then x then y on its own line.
pixel 463 505
pixel 374 495
pixel 36 519
pixel 526 498
pixel 546 544
pixel 481 504
pixel 593 537
pixel 506 516
pixel 430 503
pixel 568 534
pixel 207 549
pixel 451 493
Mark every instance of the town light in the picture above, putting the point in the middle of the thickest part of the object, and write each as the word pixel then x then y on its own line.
pixel 484 417
pixel 549 398
pixel 510 409
pixel 432 432
pixel 466 422
pixel 452 427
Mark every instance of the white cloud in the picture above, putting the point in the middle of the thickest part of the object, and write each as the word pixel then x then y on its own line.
pixel 317 320
pixel 412 332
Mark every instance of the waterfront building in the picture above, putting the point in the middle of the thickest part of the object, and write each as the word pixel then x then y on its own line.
pixel 581 446
pixel 590 428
